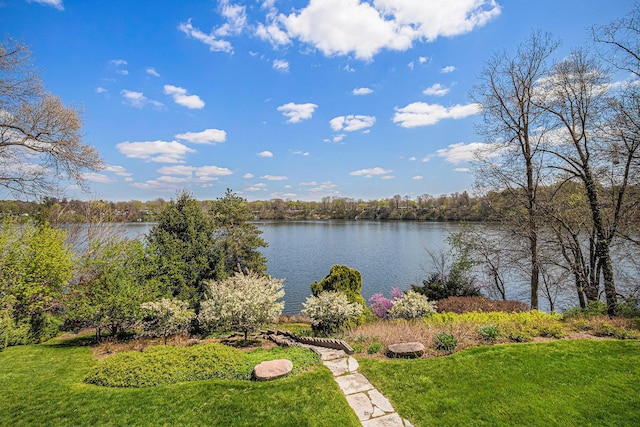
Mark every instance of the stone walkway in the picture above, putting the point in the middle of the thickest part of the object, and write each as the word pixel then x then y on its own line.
pixel 371 407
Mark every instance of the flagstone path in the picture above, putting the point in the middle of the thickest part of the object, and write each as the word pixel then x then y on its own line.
pixel 371 407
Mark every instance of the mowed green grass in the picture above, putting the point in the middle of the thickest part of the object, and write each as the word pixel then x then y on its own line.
pixel 42 385
pixel 561 383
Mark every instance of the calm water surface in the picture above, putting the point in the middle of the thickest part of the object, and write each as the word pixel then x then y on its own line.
pixel 387 254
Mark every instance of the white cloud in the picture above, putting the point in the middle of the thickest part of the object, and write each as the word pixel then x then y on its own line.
pixel 53 3
pixel 138 100
pixel 265 154
pixel 98 177
pixel 418 177
pixel 281 65
pixel 100 89
pixel 247 175
pixel 201 173
pixel 362 91
pixel 461 152
pixel 155 151
pixel 388 177
pixel 180 97
pixel 207 136
pixel 368 173
pixel 297 112
pixel 422 114
pixel 448 69
pixel 466 170
pixel 310 183
pixel 211 171
pixel 118 64
pixel 436 90
pixel 351 123
pixel 257 187
pixel 361 28
pixel 211 40
pixel 152 71
pixel 273 34
pixel 236 19
pixel 274 178
pixel 422 59
pixel 118 170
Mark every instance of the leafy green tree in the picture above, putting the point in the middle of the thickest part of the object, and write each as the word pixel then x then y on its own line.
pixel 242 302
pixel 35 267
pixel 110 286
pixel 191 246
pixel 184 250
pixel 341 279
pixel 235 237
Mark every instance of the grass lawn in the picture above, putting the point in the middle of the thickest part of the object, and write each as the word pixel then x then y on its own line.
pixel 560 383
pixel 43 385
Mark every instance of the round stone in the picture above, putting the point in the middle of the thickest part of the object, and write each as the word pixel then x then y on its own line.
pixel 406 349
pixel 272 369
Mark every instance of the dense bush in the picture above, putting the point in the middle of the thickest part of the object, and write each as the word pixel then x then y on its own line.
pixel 474 303
pixel 412 305
pixel 517 326
pixel 35 268
pixel 166 317
pixel 330 311
pixel 345 280
pixel 242 302
pixel 167 364
pixel 440 286
pixel 445 341
pixel 489 332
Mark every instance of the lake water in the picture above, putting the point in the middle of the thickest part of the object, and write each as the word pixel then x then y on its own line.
pixel 387 254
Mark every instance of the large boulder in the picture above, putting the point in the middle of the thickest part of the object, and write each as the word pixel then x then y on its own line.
pixel 272 369
pixel 406 349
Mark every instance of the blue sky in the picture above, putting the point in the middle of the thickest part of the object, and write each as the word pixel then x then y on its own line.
pixel 281 99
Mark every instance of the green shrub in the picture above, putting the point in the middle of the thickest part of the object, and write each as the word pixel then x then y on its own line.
pixel 330 311
pixel 469 304
pixel 374 348
pixel 489 332
pixel 412 305
pixel 167 364
pixel 445 341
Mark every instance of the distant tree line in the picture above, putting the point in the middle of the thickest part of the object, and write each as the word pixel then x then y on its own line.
pixel 451 207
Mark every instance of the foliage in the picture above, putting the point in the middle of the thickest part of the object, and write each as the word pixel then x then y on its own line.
pixel 166 317
pixel 445 341
pixel 541 384
pixel 43 386
pixel 40 138
pixel 35 267
pixel 489 332
pixel 412 305
pixel 441 286
pixel 191 246
pixel 185 255
pixel 110 285
pixel 168 364
pixel 235 237
pixel 344 280
pixel 242 302
pixel 330 311
pixel 381 305
pixel 593 308
pixel 374 348
pixel 467 304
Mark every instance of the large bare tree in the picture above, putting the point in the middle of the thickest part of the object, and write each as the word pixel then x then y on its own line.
pixel 40 140
pixel 514 125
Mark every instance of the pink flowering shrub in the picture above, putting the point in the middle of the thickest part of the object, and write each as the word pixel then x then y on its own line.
pixel 380 305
